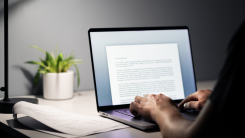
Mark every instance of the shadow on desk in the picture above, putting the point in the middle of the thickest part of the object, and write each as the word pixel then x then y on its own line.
pixel 29 124
pixel 16 124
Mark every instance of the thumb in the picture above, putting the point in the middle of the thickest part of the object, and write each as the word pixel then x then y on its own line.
pixel 191 105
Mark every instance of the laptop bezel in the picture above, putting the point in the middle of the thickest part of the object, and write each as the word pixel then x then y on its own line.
pixel 112 107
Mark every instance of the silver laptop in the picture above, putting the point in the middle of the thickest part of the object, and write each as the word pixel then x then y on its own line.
pixel 128 62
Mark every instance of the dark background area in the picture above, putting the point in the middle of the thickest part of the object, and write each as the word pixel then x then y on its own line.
pixel 46 23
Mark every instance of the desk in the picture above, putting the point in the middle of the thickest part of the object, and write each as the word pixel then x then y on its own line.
pixel 84 102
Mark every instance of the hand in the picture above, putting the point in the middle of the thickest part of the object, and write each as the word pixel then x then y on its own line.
pixel 151 106
pixel 195 100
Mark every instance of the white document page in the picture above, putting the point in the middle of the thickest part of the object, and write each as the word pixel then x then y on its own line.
pixel 144 69
pixel 71 125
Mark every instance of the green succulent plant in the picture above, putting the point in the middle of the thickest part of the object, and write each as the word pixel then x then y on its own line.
pixel 54 64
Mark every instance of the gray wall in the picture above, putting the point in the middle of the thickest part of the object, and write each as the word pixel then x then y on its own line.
pixel 46 23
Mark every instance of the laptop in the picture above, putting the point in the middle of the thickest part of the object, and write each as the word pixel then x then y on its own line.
pixel 127 62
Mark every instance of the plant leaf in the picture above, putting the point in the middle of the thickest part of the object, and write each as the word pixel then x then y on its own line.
pixel 78 76
pixel 37 63
pixel 43 61
pixel 58 63
pixel 42 71
pixel 52 54
pixel 77 60
pixel 61 56
pixel 48 56
pixel 37 48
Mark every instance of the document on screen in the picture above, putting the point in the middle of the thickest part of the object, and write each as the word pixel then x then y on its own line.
pixel 144 69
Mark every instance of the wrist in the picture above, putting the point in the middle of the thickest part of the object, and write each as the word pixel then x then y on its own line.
pixel 171 122
pixel 166 115
pixel 155 114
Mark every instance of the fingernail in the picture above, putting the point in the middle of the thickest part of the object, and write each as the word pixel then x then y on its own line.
pixel 185 105
pixel 145 95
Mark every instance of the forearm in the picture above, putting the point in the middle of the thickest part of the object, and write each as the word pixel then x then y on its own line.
pixel 172 124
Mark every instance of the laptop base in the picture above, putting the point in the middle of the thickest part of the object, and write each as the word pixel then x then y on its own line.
pixel 139 122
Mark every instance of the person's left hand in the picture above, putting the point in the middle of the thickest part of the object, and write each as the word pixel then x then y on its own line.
pixel 151 106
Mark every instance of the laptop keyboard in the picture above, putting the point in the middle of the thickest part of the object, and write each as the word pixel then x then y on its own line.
pixel 128 113
pixel 188 110
pixel 125 112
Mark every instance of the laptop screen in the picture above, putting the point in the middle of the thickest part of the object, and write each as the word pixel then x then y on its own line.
pixel 135 61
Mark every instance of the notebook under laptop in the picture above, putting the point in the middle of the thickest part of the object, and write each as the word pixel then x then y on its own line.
pixel 128 62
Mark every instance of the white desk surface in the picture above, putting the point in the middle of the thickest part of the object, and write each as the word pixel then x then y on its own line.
pixel 84 102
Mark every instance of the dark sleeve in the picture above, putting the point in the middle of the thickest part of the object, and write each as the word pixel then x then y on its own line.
pixel 230 88
pixel 228 95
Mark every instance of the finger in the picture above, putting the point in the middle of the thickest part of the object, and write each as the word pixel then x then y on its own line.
pixel 134 108
pixel 155 96
pixel 146 95
pixel 138 99
pixel 163 95
pixel 166 98
pixel 191 97
pixel 151 97
pixel 192 105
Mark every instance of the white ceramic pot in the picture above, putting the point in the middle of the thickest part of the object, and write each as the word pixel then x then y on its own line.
pixel 57 86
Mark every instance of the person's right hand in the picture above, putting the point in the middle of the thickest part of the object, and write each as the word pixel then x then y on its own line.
pixel 195 100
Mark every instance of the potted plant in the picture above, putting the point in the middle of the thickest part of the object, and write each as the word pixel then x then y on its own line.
pixel 57 79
